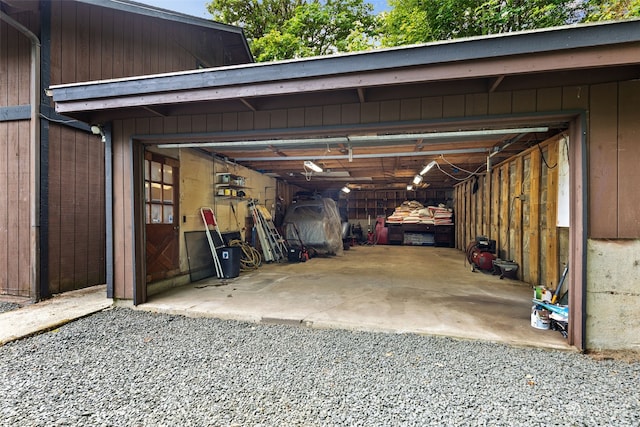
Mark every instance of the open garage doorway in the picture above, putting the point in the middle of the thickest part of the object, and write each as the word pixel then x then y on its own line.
pixel 406 291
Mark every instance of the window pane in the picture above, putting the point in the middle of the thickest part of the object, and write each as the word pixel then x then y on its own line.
pixel 148 214
pixel 156 171
pixel 168 214
pixel 167 174
pixel 156 214
pixel 147 166
pixel 146 192
pixel 167 194
pixel 156 192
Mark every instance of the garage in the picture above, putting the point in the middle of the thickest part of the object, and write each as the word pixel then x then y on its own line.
pixel 503 122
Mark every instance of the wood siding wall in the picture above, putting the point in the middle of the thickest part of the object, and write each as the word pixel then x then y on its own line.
pixel 15 169
pixel 93 43
pixel 76 210
pixel 15 251
pixel 516 205
pixel 602 134
pixel 614 156
pixel 87 43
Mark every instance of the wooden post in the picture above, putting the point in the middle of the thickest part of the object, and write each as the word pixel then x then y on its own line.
pixel 480 207
pixel 552 215
pixel 535 167
pixel 495 207
pixel 517 213
pixel 505 205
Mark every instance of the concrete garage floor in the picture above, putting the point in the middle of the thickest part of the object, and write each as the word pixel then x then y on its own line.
pixel 402 289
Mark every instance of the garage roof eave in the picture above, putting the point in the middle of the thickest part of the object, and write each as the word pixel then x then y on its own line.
pixel 600 35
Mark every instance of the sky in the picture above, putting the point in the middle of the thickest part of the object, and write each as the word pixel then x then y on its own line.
pixel 198 8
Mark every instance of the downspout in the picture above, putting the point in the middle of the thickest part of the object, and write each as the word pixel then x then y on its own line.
pixel 34 154
pixel 107 139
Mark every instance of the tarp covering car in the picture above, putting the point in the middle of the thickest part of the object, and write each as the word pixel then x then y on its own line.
pixel 316 224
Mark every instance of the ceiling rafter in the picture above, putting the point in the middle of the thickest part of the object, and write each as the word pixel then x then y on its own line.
pixel 495 83
pixel 247 104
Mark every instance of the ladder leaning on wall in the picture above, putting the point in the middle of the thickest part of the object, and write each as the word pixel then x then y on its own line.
pixel 210 224
pixel 273 245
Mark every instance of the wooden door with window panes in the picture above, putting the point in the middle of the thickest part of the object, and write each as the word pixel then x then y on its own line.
pixel 161 177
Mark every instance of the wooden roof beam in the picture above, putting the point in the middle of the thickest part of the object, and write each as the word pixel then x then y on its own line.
pixel 495 83
pixel 247 104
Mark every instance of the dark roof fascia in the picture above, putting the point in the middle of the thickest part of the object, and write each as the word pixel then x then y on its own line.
pixel 460 50
pixel 167 15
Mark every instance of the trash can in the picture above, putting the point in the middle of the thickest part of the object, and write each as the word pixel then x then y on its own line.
pixel 230 261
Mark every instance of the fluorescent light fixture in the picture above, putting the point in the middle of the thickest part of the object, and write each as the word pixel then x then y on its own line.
pixel 346 189
pixel 309 164
pixel 402 139
pixel 417 179
pixel 409 187
pixel 428 167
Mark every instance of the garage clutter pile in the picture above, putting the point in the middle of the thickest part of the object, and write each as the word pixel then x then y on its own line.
pixel 548 310
pixel 312 226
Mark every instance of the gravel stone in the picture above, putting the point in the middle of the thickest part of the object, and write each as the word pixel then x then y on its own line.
pixel 127 367
pixel 8 306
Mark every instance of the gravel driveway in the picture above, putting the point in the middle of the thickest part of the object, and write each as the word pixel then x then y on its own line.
pixel 124 367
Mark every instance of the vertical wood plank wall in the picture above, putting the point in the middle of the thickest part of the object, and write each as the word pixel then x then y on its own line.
pixel 76 210
pixel 519 214
pixel 491 210
pixel 15 170
pixel 602 100
pixel 90 43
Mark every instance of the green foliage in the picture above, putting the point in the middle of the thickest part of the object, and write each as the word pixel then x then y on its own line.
pixel 603 10
pixel 280 29
pixel 256 17
pixel 284 29
pixel 417 21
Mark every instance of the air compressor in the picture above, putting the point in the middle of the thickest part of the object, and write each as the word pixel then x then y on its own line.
pixel 481 254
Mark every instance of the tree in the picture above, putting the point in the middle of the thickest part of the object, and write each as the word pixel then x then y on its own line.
pixel 418 21
pixel 281 29
pixel 284 29
pixel 256 17
pixel 603 10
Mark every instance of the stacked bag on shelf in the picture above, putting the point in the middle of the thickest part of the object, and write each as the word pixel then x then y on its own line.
pixel 413 212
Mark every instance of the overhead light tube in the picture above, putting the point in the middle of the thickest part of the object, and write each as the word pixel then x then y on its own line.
pixel 417 179
pixel 309 164
pixel 409 187
pixel 428 167
pixel 346 190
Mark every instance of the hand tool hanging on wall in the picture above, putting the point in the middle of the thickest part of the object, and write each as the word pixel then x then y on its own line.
pixel 235 215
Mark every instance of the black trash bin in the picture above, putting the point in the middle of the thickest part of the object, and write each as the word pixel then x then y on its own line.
pixel 230 261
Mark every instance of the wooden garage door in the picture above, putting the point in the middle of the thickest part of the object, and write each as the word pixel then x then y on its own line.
pixel 161 213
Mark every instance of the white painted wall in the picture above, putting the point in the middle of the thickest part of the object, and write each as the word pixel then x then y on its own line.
pixel 197 189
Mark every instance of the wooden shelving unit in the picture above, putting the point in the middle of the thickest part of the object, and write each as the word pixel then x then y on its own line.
pixel 371 204
pixel 443 235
